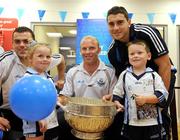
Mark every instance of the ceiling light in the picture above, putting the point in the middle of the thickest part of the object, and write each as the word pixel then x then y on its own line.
pixel 65 48
pixel 54 34
pixel 74 32
pixel 71 56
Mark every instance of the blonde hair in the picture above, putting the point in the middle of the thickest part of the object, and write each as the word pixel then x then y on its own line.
pixel 33 46
pixel 139 42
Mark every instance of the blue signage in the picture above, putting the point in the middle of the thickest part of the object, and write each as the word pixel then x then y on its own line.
pixel 97 28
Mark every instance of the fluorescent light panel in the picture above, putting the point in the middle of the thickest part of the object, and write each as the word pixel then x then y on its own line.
pixel 71 56
pixel 65 48
pixel 74 32
pixel 54 35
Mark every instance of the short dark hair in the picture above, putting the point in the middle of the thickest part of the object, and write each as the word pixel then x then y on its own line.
pixel 22 29
pixel 117 10
pixel 139 42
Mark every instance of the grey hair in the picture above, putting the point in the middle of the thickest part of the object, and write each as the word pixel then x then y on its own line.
pixel 94 39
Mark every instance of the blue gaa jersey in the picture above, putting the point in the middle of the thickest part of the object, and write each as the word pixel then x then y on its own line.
pixel 118 53
pixel 80 83
pixel 145 84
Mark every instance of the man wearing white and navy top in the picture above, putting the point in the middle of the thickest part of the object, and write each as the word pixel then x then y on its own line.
pixel 122 32
pixel 92 78
pixel 13 66
pixel 80 83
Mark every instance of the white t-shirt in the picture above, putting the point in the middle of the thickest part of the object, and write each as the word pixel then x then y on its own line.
pixel 80 83
pixel 144 85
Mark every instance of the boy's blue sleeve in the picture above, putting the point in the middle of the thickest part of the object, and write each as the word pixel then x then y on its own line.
pixel 162 100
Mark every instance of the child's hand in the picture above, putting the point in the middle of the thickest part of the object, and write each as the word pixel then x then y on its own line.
pixel 60 84
pixel 63 99
pixel 120 107
pixel 140 100
pixel 107 97
pixel 43 126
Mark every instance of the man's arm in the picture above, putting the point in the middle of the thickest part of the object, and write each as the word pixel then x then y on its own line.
pixel 61 71
pixel 164 69
pixel 4 124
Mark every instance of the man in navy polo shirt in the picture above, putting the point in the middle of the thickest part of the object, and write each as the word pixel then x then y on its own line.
pixel 123 31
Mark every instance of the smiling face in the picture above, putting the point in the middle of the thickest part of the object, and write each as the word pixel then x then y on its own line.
pixel 20 42
pixel 118 26
pixel 138 56
pixel 90 50
pixel 40 58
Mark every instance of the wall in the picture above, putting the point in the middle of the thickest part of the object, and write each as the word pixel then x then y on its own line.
pixel 97 8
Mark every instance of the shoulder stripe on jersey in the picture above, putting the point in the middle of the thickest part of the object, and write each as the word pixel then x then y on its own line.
pixel 111 45
pixel 31 73
pixel 151 33
pixel 5 54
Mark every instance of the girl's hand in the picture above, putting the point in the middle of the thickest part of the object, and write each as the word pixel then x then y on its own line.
pixel 43 126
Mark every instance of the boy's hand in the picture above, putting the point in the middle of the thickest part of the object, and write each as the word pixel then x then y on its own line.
pixel 140 100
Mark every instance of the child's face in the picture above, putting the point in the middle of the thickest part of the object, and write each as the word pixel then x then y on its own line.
pixel 41 59
pixel 138 55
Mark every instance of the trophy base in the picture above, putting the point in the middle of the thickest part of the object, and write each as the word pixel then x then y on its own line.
pixel 87 135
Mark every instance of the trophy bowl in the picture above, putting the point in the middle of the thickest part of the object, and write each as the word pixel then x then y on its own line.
pixel 89 117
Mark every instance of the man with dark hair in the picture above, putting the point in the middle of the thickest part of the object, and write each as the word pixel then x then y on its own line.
pixel 123 31
pixel 13 66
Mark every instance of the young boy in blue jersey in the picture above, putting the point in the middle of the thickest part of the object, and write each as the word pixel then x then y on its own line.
pixel 144 93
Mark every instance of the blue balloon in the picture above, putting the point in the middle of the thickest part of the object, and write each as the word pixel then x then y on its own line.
pixel 33 98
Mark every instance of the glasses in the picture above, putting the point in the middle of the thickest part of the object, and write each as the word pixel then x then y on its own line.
pixel 18 41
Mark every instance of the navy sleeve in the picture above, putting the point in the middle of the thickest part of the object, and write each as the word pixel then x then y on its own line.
pixel 117 98
pixel 153 38
pixel 162 100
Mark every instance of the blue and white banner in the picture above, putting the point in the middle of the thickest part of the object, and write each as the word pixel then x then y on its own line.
pixel 1 10
pixel 173 17
pixel 41 14
pixel 20 13
pixel 85 15
pixel 151 17
pixel 62 15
